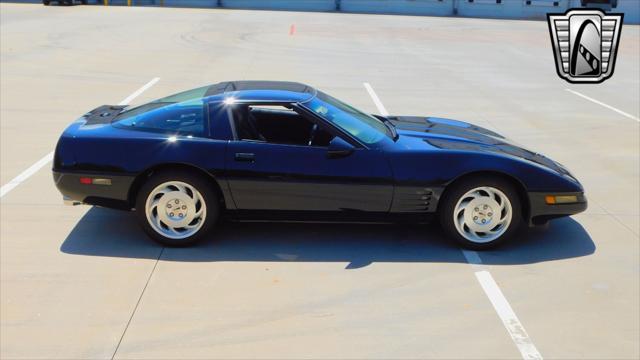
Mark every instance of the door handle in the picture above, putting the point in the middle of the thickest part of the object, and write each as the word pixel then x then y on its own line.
pixel 250 157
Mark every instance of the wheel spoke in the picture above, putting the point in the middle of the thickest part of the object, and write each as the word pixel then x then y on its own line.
pixel 174 231
pixel 197 224
pixel 166 189
pixel 182 188
pixel 199 212
pixel 496 229
pixel 490 193
pixel 154 203
pixel 460 220
pixel 158 222
pixel 466 202
pixel 502 221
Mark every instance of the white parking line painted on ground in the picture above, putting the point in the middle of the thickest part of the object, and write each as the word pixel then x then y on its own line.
pixel 139 91
pixel 472 257
pixel 25 174
pixel 47 158
pixel 503 308
pixel 603 104
pixel 376 100
pixel 500 304
pixel 508 317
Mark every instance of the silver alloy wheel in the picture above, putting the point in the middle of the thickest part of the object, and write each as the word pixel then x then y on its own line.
pixel 175 210
pixel 482 214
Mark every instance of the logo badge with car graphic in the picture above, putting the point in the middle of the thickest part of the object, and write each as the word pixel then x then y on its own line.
pixel 585 43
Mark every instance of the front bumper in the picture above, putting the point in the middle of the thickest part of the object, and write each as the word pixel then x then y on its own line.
pixel 74 192
pixel 540 212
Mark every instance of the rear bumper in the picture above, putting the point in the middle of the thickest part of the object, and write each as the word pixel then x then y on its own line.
pixel 74 192
pixel 540 212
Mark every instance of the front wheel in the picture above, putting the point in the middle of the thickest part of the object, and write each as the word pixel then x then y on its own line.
pixel 177 208
pixel 481 213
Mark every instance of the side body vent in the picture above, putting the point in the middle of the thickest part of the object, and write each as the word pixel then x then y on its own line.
pixel 412 199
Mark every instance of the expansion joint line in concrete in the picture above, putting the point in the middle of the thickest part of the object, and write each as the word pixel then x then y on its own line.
pixel 133 313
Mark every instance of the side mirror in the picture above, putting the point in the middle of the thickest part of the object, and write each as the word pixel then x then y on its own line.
pixel 338 148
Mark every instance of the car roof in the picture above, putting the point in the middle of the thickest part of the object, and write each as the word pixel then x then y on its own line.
pixel 252 90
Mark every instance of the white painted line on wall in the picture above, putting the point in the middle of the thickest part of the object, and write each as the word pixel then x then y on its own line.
pixel 47 158
pixel 603 104
pixel 376 100
pixel 500 304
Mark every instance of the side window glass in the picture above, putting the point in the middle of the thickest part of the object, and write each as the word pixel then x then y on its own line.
pixel 186 117
pixel 277 124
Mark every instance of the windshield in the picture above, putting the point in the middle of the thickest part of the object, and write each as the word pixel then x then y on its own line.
pixel 362 126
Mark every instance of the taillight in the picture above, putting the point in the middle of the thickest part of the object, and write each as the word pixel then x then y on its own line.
pixel 95 181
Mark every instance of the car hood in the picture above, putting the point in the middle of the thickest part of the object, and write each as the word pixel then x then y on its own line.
pixel 427 127
pixel 458 135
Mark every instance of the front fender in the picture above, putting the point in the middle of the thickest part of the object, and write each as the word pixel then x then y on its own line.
pixel 440 168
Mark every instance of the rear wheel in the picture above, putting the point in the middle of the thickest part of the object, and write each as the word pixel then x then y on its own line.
pixel 177 208
pixel 481 212
pixel 46 2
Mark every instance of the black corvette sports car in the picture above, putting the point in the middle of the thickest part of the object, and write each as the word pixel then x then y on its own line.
pixel 262 149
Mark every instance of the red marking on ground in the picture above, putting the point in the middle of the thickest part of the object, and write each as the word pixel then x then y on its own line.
pixel 292 29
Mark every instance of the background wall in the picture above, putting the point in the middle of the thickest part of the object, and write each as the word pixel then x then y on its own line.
pixel 508 9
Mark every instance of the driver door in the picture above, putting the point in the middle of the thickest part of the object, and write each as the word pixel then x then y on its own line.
pixel 274 164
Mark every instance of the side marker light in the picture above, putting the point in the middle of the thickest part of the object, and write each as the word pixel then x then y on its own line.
pixel 560 199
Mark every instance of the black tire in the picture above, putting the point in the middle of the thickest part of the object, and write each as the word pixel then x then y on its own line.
pixel 458 189
pixel 201 184
pixel 46 2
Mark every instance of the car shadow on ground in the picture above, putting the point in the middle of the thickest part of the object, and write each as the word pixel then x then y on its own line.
pixel 104 232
